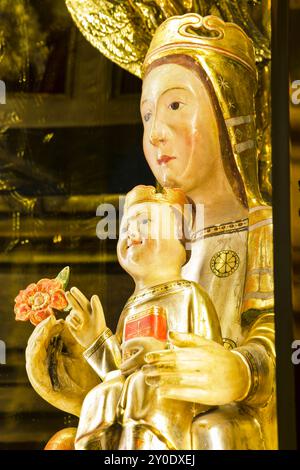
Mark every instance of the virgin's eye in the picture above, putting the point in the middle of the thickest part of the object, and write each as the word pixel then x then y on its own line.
pixel 175 105
pixel 147 116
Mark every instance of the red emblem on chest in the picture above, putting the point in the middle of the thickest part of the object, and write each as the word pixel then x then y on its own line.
pixel 151 322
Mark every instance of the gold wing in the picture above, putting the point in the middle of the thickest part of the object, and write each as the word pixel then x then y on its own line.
pixel 122 31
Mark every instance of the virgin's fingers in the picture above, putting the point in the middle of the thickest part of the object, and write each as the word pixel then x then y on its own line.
pixel 161 368
pixel 193 372
pixel 173 379
pixel 174 368
pixel 185 354
pixel 81 299
pixel 166 355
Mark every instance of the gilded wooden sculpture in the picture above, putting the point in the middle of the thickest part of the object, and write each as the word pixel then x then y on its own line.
pixel 198 111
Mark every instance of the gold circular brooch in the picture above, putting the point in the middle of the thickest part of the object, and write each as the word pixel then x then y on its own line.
pixel 224 263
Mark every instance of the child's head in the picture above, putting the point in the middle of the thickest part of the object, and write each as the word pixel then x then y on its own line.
pixel 153 231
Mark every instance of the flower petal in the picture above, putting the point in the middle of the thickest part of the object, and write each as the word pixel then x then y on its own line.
pixel 55 285
pixel 40 301
pixel 22 312
pixel 40 315
pixel 58 300
pixel 43 285
pixel 21 297
pixel 30 290
pixel 48 285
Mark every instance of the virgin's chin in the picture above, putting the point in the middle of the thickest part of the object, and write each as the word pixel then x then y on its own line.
pixel 168 182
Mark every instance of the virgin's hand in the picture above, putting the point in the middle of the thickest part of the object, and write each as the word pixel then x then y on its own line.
pixel 197 370
pixel 56 368
pixel 86 319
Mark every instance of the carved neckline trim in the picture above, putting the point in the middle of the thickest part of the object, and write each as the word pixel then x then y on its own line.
pixel 228 227
pixel 158 290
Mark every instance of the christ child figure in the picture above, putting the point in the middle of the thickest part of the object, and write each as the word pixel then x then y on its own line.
pixel 127 410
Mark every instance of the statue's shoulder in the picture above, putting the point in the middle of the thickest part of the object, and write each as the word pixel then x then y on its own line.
pixel 260 216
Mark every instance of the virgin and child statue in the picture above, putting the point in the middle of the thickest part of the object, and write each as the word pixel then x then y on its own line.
pixel 192 362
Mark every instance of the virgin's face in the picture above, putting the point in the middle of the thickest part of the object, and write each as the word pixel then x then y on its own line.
pixel 181 141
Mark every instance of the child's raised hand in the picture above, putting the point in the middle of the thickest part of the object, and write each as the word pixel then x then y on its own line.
pixel 86 320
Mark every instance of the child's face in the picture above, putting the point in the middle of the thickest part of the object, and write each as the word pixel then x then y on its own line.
pixel 150 239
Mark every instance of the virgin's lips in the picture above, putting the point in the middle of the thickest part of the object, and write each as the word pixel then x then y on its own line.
pixel 164 159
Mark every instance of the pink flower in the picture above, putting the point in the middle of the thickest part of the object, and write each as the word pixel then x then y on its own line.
pixel 37 301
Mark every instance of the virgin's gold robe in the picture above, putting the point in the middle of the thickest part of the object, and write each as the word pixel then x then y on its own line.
pixel 244 300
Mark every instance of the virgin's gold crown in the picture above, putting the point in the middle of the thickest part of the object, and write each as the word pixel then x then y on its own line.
pixel 141 193
pixel 174 36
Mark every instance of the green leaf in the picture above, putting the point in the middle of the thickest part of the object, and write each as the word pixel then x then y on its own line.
pixel 63 277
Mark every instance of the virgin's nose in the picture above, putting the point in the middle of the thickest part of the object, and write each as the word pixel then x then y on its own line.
pixel 158 133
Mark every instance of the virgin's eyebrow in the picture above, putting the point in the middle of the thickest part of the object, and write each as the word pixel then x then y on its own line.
pixel 164 92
